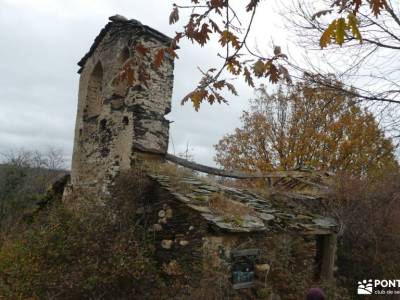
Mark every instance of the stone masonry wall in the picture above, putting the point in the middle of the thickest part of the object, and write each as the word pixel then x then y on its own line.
pixel 196 258
pixel 284 266
pixel 116 118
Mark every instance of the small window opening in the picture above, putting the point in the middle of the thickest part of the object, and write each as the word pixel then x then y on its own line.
pixel 125 120
pixel 80 132
pixel 243 267
pixel 103 124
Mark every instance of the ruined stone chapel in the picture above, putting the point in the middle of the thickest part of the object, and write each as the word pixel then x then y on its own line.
pixel 259 242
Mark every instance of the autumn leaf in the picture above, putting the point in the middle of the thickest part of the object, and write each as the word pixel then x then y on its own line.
pixel 211 98
pixel 234 66
pixel 357 5
pixel 171 52
pixel 259 68
pixel 158 58
pixel 228 37
pixel 252 5
pixel 326 37
pixel 197 97
pixel 353 24
pixel 273 73
pixel 219 84
pixel 202 36
pixel 215 27
pixel 247 77
pixel 174 16
pixel 340 31
pixel 224 38
pixel 231 88
pixel 376 6
pixel 217 3
pixel 191 28
pixel 175 40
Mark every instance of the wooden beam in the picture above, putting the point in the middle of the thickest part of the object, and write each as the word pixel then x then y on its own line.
pixel 224 173
pixel 234 174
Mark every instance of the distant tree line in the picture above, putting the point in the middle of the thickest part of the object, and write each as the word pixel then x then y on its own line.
pixel 25 175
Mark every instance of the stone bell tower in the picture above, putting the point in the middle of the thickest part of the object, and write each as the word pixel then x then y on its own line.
pixel 122 101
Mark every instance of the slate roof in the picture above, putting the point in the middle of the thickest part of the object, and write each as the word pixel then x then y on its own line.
pixel 277 212
pixel 137 27
pixel 313 184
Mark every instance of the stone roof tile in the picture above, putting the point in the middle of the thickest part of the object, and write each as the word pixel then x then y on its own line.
pixel 271 213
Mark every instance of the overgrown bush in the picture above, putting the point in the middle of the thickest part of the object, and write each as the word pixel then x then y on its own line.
pixel 89 249
pixel 369 239
pixel 99 253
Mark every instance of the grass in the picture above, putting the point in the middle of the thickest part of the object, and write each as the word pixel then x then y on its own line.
pixel 229 209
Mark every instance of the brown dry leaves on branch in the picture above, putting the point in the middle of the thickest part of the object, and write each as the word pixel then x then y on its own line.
pixel 346 24
pixel 308 125
pixel 218 18
pixel 134 69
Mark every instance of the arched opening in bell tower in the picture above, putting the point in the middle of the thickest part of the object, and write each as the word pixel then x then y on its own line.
pixel 94 91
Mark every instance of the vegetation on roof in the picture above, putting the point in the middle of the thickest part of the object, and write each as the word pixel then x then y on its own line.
pixel 239 209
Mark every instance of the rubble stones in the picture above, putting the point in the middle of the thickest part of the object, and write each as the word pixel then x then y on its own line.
pixel 167 244
pixel 324 222
pixel 117 103
pixel 183 243
pixel 252 222
pixel 266 217
pixel 157 227
pixel 168 213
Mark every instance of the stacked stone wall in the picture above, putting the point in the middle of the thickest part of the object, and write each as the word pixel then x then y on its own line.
pixel 118 118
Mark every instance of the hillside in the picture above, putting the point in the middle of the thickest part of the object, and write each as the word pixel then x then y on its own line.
pixel 21 187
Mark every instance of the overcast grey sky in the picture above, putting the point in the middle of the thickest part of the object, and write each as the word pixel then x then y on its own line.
pixel 42 40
